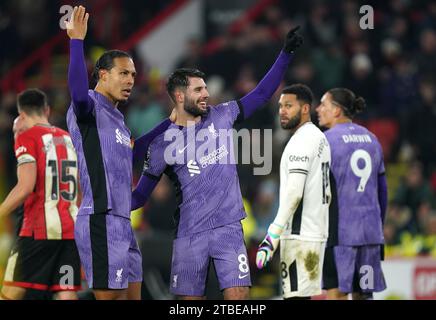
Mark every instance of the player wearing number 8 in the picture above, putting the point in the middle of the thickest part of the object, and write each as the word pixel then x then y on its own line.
pixel 47 185
pixel 209 208
pixel 352 258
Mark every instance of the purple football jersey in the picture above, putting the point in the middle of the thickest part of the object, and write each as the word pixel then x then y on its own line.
pixel 357 160
pixel 104 152
pixel 205 176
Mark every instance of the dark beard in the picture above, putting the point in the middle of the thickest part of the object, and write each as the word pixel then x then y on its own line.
pixel 292 123
pixel 195 111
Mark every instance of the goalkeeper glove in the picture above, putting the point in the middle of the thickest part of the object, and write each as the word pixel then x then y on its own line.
pixel 269 245
pixel 292 41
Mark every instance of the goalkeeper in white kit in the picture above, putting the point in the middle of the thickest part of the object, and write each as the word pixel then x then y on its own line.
pixel 301 223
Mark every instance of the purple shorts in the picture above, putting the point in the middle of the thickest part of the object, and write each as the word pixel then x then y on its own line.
pixel 353 269
pixel 224 246
pixel 108 251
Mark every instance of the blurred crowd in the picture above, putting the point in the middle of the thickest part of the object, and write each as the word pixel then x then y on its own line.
pixel 392 66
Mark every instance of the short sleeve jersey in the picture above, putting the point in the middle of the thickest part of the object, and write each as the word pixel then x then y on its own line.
pixel 50 210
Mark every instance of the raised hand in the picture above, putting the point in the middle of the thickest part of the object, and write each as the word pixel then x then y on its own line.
pixel 77 26
pixel 293 40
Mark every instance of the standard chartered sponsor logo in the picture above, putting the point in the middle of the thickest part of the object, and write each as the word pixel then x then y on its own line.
pixel 214 157
pixel 193 168
pixel 121 138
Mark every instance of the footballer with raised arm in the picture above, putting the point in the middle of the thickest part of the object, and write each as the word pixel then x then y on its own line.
pixel 209 202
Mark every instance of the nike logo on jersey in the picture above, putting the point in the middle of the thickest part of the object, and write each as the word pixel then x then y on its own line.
pixel 181 150
pixel 242 276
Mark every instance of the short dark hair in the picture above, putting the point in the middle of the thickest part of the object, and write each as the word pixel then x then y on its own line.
pixel 32 101
pixel 106 62
pixel 180 78
pixel 347 101
pixel 302 92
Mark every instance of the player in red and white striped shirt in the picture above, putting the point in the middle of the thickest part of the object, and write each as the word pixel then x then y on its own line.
pixel 45 256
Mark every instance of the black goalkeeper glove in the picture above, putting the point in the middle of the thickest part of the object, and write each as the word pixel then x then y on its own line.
pixel 292 41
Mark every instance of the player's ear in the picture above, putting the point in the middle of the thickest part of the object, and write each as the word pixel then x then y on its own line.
pixel 337 111
pixel 22 115
pixel 180 96
pixel 102 74
pixel 25 119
